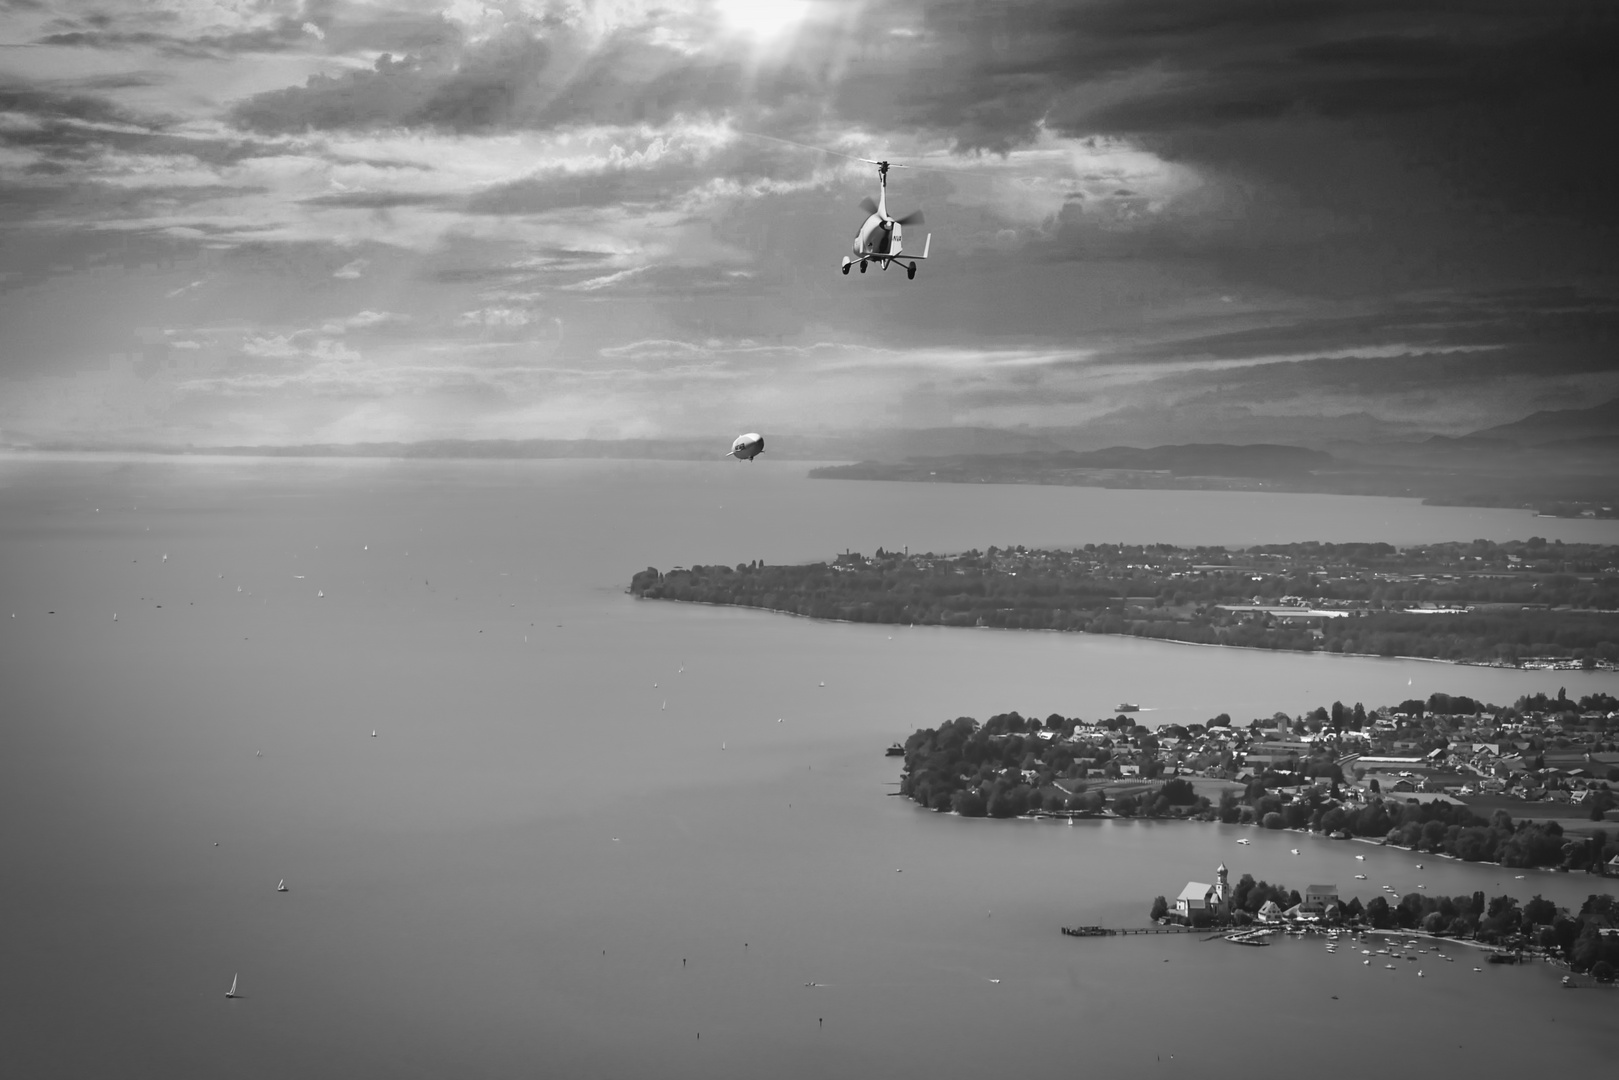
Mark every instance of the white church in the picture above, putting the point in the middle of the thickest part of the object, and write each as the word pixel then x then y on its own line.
pixel 1202 898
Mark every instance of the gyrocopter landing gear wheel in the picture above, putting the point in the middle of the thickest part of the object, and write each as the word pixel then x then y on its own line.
pixel 845 269
pixel 910 272
pixel 862 267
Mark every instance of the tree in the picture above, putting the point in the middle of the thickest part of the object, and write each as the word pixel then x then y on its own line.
pixel 1160 908
pixel 1587 948
pixel 1179 792
pixel 1125 805
pixel 1433 835
pixel 1272 820
pixel 969 803
pixel 1377 913
pixel 1539 911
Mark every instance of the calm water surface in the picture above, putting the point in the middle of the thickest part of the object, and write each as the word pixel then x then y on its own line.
pixel 590 829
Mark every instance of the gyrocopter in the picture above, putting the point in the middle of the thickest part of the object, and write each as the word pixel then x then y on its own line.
pixel 878 240
pixel 747 447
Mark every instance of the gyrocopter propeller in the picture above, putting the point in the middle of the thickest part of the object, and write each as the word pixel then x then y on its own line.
pixel 879 239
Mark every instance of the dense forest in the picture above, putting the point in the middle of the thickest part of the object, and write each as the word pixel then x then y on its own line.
pixel 1476 602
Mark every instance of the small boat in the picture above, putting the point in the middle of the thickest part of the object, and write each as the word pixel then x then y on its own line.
pixel 1293 851
pixel 895 751
pixel 373 733
pixel 1360 877
pixel 1244 841
pixel 232 991
pixel 1127 706
pixel 319 593
pixel 1389 966
pixel 1362 858
pixel 281 886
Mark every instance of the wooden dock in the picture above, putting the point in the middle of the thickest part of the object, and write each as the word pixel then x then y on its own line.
pixel 1103 931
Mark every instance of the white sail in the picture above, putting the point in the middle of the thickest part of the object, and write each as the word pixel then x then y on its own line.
pixel 232 991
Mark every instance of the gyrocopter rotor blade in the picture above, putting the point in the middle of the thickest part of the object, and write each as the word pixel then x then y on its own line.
pixel 869 205
pixel 913 218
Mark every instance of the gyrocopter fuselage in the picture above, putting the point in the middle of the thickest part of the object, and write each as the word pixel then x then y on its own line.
pixel 879 240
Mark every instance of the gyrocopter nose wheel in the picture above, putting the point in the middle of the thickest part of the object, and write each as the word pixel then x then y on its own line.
pixel 910 272
pixel 845 269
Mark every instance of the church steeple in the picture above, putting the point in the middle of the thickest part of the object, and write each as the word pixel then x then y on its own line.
pixel 1222 887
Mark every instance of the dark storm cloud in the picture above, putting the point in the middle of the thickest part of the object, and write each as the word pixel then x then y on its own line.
pixel 66 125
pixel 1379 146
pixel 375 200
pixel 286 34
pixel 1022 63
pixel 46 105
pixel 339 31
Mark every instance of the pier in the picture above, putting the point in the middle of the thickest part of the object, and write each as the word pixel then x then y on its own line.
pixel 1103 931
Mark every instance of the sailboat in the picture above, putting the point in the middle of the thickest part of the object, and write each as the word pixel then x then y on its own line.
pixel 232 991
pixel 282 886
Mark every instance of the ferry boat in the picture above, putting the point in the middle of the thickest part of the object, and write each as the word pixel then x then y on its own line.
pixel 1127 706
pixel 895 751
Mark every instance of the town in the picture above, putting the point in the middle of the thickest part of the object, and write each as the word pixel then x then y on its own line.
pixel 1527 604
pixel 1531 784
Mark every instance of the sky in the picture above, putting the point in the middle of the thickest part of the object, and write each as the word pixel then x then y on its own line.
pixel 246 222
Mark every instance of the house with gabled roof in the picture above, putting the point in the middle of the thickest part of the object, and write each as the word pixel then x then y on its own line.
pixel 1318 897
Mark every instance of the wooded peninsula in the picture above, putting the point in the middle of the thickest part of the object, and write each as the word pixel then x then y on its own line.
pixel 1532 603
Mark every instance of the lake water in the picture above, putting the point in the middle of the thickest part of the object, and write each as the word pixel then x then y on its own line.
pixel 590 830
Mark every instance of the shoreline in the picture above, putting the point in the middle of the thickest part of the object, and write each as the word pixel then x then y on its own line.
pixel 1135 637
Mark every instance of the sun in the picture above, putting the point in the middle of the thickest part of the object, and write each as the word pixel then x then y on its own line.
pixel 761 20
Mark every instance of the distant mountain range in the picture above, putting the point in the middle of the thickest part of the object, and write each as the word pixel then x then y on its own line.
pixel 1559 425
pixel 1564 463
pixel 1561 462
